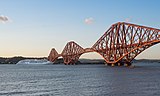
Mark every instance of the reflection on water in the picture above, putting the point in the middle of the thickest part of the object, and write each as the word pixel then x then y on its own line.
pixel 80 80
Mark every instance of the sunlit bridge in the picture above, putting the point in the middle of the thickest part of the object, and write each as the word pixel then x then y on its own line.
pixel 119 45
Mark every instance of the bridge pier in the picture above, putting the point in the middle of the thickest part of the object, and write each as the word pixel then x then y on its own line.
pixel 120 64
pixel 70 64
pixel 112 64
pixel 126 64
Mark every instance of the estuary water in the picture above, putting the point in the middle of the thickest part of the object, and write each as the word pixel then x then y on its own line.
pixel 80 80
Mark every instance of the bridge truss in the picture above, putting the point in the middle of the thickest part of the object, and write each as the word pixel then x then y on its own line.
pixel 119 45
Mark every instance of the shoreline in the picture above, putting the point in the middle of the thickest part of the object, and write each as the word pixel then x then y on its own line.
pixel 14 60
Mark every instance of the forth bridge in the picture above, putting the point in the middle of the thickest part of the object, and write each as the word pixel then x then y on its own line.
pixel 119 45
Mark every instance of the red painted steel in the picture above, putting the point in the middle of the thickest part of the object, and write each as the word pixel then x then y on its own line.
pixel 53 56
pixel 121 43
pixel 71 53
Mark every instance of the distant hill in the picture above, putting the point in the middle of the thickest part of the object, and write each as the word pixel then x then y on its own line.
pixel 14 60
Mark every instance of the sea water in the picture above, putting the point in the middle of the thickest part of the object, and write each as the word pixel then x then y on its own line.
pixel 80 80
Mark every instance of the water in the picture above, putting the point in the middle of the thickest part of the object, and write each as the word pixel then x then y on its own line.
pixel 80 80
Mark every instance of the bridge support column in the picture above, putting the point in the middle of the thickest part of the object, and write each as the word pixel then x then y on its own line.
pixel 112 64
pixel 127 64
pixel 108 64
pixel 119 64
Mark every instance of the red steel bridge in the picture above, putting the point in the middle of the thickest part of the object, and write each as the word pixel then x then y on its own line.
pixel 119 45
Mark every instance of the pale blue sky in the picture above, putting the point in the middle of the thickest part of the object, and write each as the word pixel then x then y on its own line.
pixel 38 25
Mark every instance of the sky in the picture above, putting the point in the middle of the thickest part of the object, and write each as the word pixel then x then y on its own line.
pixel 31 28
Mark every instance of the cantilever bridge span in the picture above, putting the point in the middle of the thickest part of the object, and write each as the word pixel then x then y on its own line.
pixel 119 45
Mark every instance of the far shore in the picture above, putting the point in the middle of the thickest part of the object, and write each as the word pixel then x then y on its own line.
pixel 14 60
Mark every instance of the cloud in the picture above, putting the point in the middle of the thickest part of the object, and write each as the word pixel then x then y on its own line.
pixel 4 19
pixel 89 20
